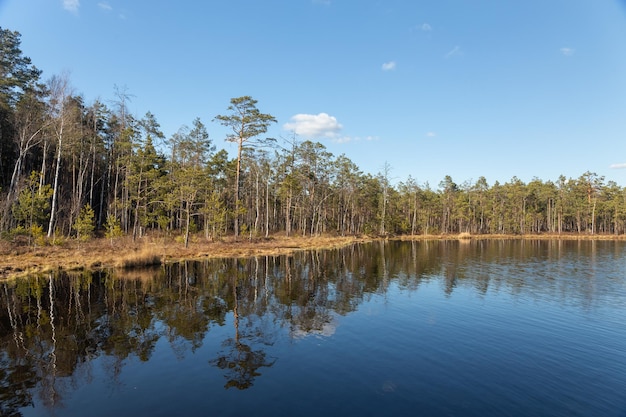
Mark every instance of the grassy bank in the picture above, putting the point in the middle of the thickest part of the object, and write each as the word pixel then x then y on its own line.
pixel 543 236
pixel 125 253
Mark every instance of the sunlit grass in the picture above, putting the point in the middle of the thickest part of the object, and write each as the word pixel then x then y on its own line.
pixel 126 253
pixel 140 259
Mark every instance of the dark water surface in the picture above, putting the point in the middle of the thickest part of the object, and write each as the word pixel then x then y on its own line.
pixel 493 328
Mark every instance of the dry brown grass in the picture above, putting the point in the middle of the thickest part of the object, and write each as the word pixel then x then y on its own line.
pixel 125 253
pixel 543 236
pixel 142 258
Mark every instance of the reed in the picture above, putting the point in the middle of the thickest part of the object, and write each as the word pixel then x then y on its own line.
pixel 142 258
pixel 128 254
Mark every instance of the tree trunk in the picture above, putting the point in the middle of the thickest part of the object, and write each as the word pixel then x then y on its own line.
pixel 55 189
pixel 237 202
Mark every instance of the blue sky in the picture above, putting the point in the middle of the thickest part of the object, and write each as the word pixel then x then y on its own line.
pixel 465 88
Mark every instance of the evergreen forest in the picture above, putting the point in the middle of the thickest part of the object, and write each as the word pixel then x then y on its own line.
pixel 72 168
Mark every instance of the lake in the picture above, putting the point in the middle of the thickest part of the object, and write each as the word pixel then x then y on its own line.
pixel 427 328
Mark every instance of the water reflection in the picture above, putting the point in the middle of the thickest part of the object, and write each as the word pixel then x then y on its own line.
pixel 53 327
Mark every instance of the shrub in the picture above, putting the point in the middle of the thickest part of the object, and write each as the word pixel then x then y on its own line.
pixel 112 228
pixel 84 224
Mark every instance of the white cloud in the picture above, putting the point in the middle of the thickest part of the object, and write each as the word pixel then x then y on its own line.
pixel 71 5
pixel 431 134
pixel 343 139
pixel 105 6
pixel 389 66
pixel 314 125
pixel 327 330
pixel 424 27
pixel 322 125
pixel 456 51
pixel 346 139
pixel 618 166
pixel 567 51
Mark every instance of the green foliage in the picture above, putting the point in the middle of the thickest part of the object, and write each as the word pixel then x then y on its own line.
pixel 57 238
pixel 193 226
pixel 245 119
pixel 18 231
pixel 246 123
pixel 112 228
pixel 38 235
pixel 84 224
pixel 163 222
pixel 17 73
pixel 120 162
pixel 215 215
pixel 33 203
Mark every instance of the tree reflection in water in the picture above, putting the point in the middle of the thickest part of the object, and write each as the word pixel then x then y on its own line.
pixel 52 327
pixel 239 361
pixel 241 364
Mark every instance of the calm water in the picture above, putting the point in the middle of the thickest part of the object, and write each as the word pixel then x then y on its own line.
pixel 495 328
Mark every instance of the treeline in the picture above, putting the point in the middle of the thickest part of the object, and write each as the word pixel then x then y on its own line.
pixel 71 168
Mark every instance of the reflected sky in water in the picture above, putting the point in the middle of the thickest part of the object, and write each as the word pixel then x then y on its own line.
pixel 437 328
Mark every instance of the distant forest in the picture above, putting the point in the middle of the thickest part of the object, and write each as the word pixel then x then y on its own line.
pixel 74 169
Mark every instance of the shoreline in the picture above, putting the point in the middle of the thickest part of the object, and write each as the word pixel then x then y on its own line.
pixel 124 253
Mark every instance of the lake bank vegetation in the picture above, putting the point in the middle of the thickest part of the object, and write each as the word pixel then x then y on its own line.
pixel 124 253
pixel 73 171
pixel 151 250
